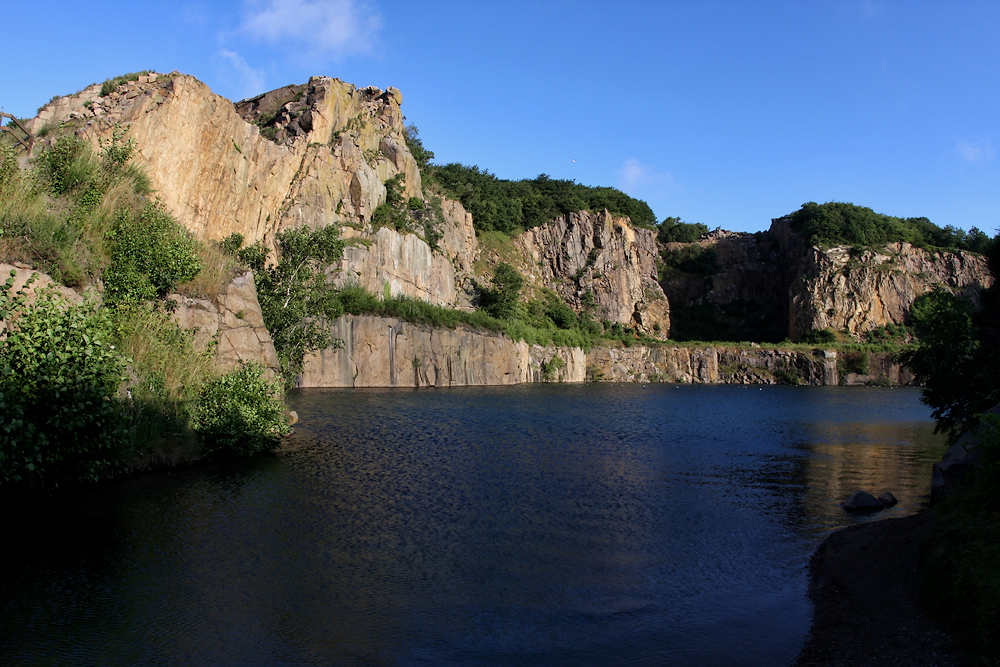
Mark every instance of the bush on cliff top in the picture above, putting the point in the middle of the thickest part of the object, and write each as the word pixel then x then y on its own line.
pixel 511 206
pixel 837 223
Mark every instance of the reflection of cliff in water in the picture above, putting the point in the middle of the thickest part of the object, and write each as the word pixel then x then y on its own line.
pixel 845 457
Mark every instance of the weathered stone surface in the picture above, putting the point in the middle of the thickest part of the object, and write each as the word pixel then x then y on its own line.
pixel 862 501
pixel 214 170
pixel 23 273
pixel 233 319
pixel 458 236
pixel 857 291
pixel 770 286
pixel 583 256
pixel 385 352
pixel 404 262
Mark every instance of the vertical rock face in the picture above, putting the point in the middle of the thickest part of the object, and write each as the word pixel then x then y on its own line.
pixel 402 262
pixel 386 352
pixel 859 290
pixel 597 258
pixel 234 321
pixel 216 168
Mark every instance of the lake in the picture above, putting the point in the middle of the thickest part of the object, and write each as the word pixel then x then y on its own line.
pixel 549 524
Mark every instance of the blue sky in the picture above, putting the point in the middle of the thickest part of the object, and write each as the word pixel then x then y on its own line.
pixel 727 113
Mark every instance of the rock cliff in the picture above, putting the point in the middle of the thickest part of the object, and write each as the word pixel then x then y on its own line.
pixel 771 285
pixel 313 154
pixel 233 322
pixel 595 262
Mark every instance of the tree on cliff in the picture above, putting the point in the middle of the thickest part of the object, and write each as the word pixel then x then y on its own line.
pixel 501 299
pixel 958 357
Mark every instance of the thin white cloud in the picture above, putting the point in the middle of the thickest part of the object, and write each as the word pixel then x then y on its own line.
pixel 635 175
pixel 336 28
pixel 237 76
pixel 976 152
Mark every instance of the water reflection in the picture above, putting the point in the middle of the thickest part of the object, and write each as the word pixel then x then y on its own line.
pixel 521 525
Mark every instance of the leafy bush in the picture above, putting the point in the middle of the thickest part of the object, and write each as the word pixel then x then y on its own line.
pixel 59 372
pixel 240 414
pixel 510 206
pixel 692 259
pixel 500 300
pixel 150 254
pixel 295 298
pixel 422 156
pixel 672 230
pixel 836 223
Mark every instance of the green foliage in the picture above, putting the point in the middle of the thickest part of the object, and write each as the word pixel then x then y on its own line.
pixel 672 230
pixel 59 371
pixel 240 414
pixel 295 298
pixel 961 565
pixel 150 254
pixel 111 85
pixel 422 156
pixel 550 369
pixel 824 337
pixel 836 223
pixel 691 259
pixel 500 300
pixel 510 206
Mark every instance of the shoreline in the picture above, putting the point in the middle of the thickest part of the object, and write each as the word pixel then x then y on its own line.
pixel 863 583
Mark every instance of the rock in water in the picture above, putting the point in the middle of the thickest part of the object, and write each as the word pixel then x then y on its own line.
pixel 887 499
pixel 861 501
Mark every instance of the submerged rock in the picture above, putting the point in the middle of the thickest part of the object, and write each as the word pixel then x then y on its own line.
pixel 861 502
pixel 887 499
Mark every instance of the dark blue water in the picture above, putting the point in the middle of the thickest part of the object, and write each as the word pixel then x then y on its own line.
pixel 531 525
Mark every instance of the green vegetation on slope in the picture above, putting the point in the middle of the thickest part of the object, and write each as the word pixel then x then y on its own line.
pixel 836 223
pixel 87 392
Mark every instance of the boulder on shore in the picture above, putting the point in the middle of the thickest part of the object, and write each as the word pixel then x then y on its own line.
pixel 887 499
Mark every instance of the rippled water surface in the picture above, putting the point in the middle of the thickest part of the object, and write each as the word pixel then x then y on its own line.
pixel 530 525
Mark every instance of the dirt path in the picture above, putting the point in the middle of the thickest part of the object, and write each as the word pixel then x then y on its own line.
pixel 863 581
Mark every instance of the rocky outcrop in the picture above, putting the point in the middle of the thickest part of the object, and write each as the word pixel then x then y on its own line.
pixel 403 263
pixel 853 290
pixel 386 352
pixel 770 286
pixel 217 173
pixel 601 262
pixel 232 322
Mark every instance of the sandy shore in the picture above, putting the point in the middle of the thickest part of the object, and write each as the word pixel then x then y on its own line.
pixel 863 582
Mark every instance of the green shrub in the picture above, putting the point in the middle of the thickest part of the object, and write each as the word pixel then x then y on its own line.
pixel 110 85
pixel 150 254
pixel 240 414
pixel 500 299
pixel 838 223
pixel 692 259
pixel 295 298
pixel 672 230
pixel 59 373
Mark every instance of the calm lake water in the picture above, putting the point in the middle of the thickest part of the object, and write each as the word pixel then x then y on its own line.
pixel 530 525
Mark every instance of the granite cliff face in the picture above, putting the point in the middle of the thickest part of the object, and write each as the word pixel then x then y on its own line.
pixel 598 262
pixel 215 171
pixel 771 285
pixel 857 291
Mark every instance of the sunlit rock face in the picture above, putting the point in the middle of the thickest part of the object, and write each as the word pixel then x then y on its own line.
pixel 603 259
pixel 860 290
pixel 231 321
pixel 387 352
pixel 312 154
